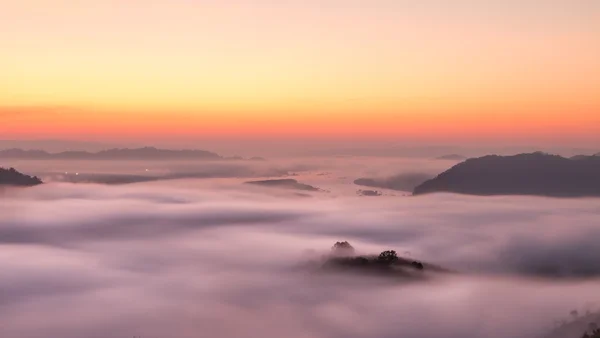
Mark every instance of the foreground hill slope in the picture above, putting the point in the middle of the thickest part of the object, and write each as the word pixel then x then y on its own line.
pixel 15 178
pixel 524 174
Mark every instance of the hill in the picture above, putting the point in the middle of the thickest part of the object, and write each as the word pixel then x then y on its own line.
pixel 55 145
pixel 524 174
pixel 146 153
pixel 284 183
pixel 15 178
pixel 387 264
pixel 583 157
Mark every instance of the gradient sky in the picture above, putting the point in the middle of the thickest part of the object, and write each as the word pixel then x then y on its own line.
pixel 526 70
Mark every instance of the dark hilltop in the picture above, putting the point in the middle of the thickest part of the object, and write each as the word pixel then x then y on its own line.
pixel 12 177
pixel 524 174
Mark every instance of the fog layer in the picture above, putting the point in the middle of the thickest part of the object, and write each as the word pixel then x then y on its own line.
pixel 186 259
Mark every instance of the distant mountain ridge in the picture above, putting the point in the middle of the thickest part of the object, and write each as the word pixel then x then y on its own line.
pixel 524 174
pixel 146 153
pixel 15 178
pixel 583 157
pixel 57 145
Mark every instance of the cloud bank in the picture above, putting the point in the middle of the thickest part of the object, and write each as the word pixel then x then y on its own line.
pixel 153 260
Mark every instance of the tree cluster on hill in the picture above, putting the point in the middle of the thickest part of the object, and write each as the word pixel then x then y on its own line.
pixel 387 262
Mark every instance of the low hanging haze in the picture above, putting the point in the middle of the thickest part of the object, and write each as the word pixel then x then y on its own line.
pixel 148 71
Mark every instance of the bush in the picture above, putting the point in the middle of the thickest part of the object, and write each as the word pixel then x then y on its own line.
pixel 417 265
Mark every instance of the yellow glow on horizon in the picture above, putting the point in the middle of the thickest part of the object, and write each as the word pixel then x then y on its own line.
pixel 298 68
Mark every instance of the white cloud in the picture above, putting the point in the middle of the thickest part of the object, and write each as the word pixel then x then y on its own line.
pixel 156 261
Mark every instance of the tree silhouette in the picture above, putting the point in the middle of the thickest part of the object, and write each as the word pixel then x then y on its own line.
pixel 342 248
pixel 387 257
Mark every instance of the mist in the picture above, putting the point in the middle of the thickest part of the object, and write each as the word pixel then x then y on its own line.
pixel 215 257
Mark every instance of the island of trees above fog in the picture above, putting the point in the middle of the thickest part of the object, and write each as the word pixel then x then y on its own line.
pixel 146 153
pixel 15 178
pixel 343 258
pixel 524 174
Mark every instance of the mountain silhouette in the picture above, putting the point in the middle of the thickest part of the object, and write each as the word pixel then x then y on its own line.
pixel 146 153
pixel 524 174
pixel 583 157
pixel 285 183
pixel 13 177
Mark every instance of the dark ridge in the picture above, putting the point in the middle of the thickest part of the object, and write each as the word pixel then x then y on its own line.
pixel 402 182
pixel 15 178
pixel 147 153
pixel 286 183
pixel 583 157
pixel 524 174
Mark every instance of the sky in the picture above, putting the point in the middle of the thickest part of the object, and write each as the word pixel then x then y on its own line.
pixel 432 70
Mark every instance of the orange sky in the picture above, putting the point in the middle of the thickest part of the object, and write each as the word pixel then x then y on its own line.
pixel 431 69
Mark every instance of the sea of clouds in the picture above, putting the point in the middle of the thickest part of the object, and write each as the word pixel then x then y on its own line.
pixel 186 259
